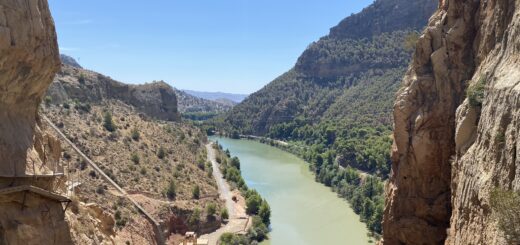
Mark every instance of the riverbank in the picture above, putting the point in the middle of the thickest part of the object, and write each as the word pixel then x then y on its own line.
pixel 303 210
pixel 239 221
pixel 363 191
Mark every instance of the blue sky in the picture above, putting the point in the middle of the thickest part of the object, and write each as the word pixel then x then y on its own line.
pixel 227 45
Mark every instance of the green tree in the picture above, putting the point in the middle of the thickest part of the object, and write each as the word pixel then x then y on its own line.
pixel 194 218
pixel 259 230
pixel 253 202
pixel 235 162
pixel 108 122
pixel 211 209
pixel 264 212
pixel 135 134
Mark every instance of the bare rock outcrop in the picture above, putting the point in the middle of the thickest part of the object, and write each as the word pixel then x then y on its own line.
pixel 28 62
pixel 29 212
pixel 454 146
pixel 157 99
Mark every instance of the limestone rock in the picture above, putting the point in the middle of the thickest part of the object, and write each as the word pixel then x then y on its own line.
pixel 28 61
pixel 156 99
pixel 448 154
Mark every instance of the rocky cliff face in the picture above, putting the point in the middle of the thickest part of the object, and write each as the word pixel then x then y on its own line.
pixel 28 61
pixel 157 99
pixel 456 122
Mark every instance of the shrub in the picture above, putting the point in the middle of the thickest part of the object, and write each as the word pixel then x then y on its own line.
pixel 108 122
pixel 85 107
pixel 224 214
pixel 100 190
pixel 211 209
pixel 120 220
pixel 66 155
pixel 171 192
pixel 92 174
pixel 201 164
pixel 82 164
pixel 135 134
pixel 506 207
pixel 475 93
pixel 194 218
pixel 135 158
pixel 81 78
pixel 195 192
pixel 161 153
pixel 66 105
pixel 47 100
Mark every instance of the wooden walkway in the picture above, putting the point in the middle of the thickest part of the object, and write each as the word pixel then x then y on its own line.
pixel 156 225
pixel 34 189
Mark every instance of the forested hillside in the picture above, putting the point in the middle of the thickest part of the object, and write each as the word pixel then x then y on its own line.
pixel 337 100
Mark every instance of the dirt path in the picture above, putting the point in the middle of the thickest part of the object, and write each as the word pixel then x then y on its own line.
pixel 238 219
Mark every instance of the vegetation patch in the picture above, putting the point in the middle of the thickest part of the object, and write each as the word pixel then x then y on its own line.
pixel 506 208
pixel 475 93
pixel 256 206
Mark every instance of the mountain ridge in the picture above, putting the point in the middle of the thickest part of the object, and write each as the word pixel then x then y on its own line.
pixel 214 96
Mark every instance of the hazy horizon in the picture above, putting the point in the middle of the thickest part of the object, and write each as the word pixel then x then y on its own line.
pixel 233 46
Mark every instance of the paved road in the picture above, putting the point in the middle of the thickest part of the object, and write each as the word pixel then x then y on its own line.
pixel 238 220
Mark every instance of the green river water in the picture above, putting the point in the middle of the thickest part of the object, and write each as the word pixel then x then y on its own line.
pixel 302 210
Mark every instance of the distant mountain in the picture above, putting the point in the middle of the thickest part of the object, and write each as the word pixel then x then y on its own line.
pixel 67 60
pixel 217 95
pixel 189 103
pixel 225 101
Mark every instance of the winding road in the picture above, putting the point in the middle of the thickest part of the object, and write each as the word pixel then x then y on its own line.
pixel 238 220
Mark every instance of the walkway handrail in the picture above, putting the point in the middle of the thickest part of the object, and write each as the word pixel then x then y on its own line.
pixel 157 228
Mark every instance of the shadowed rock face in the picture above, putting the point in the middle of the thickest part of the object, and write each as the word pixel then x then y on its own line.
pixel 28 61
pixel 445 158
